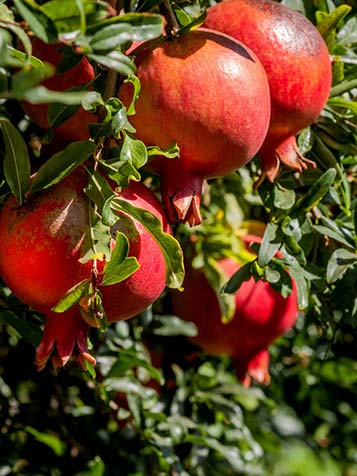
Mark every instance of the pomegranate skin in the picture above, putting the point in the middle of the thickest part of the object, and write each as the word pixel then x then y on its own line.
pixel 262 314
pixel 76 127
pixel 40 247
pixel 132 296
pixel 40 243
pixel 209 93
pixel 297 64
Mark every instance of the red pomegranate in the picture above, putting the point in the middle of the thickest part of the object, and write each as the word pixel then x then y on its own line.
pixel 298 66
pixel 40 246
pixel 209 93
pixel 76 127
pixel 262 314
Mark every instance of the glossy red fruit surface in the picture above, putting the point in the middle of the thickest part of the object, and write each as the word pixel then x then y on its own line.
pixel 262 314
pixel 209 93
pixel 41 244
pixel 297 64
pixel 76 127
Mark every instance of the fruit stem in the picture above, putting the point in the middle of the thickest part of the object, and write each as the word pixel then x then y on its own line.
pixel 172 25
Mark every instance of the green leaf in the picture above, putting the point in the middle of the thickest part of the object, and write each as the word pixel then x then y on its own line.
pixel 217 279
pixel 121 123
pixel 302 284
pixel 95 467
pixel 305 141
pixel 238 278
pixel 99 190
pixel 58 113
pixel 111 37
pixel 123 271
pixel 128 359
pixel 332 230
pixel 272 241
pixel 92 101
pixel 62 164
pixel 133 155
pixel 172 151
pixel 327 24
pixel 339 263
pixel 20 58
pixel 169 246
pixel 27 79
pixel 23 38
pixel 143 26
pixel 97 240
pixel 73 296
pixel 115 60
pixel 343 103
pixel 29 332
pixel 317 191
pixel 52 441
pixel 134 80
pixel 41 25
pixel 169 325
pixel 16 161
pixel 42 95
pixel 73 16
pixel 283 197
pixel 120 266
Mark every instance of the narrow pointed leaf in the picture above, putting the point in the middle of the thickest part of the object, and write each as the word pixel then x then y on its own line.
pixel 73 296
pixel 271 243
pixel 317 191
pixel 62 164
pixel 338 264
pixel 120 266
pixel 238 278
pixel 169 246
pixel 41 25
pixel 16 160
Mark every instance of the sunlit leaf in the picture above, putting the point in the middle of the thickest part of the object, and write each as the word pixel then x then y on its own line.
pixel 62 164
pixel 16 160
pixel 169 246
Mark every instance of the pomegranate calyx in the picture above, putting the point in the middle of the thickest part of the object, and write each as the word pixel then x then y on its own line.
pixel 255 368
pixel 181 194
pixel 64 336
pixel 287 153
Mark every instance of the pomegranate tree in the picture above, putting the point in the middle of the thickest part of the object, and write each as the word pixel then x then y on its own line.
pixel 297 64
pixel 41 244
pixel 262 314
pixel 209 93
pixel 76 127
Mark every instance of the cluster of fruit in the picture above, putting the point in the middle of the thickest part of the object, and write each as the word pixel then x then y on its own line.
pixel 247 82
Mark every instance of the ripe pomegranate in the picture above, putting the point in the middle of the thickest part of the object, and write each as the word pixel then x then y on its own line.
pixel 298 66
pixel 210 94
pixel 262 314
pixel 40 246
pixel 76 127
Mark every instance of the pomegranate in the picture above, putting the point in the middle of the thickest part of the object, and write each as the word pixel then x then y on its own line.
pixel 262 314
pixel 298 67
pixel 76 127
pixel 209 93
pixel 40 246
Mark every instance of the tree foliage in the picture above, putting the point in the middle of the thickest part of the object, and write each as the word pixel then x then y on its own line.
pixel 155 404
